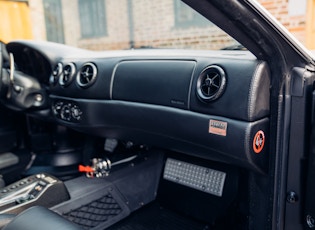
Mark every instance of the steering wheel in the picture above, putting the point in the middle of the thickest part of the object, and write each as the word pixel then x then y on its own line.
pixel 4 65
pixel 1 60
pixel 19 90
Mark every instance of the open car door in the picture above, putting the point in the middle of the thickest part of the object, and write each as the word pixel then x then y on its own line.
pixel 309 214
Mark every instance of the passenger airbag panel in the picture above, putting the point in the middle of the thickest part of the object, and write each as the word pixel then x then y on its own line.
pixel 157 82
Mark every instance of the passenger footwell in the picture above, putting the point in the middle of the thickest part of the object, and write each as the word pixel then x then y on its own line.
pixel 155 217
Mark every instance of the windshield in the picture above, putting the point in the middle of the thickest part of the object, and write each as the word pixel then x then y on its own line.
pixel 119 24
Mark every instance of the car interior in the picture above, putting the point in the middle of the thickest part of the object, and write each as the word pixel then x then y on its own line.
pixel 135 139
pixel 160 125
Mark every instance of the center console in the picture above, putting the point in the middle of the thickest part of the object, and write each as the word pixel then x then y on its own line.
pixel 40 189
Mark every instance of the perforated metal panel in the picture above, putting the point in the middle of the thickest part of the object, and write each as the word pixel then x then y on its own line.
pixel 194 176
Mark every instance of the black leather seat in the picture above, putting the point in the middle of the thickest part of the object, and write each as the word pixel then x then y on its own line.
pixel 40 218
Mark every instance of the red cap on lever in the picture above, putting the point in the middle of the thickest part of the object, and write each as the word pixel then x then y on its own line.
pixel 86 169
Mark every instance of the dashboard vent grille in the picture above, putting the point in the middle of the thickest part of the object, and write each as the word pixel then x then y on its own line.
pixel 211 83
pixel 87 75
pixel 67 75
pixel 55 74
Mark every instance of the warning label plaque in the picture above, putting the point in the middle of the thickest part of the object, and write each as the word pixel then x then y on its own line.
pixel 217 127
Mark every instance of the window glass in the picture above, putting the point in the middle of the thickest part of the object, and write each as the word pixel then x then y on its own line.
pixel 92 16
pixel 53 21
pixel 125 24
pixel 185 16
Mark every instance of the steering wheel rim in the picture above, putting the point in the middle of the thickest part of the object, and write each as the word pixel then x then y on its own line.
pixel 1 60
pixel 4 73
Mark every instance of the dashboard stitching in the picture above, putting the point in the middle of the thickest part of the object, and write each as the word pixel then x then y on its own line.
pixel 253 85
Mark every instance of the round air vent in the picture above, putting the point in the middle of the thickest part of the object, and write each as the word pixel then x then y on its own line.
pixel 87 75
pixel 211 83
pixel 67 75
pixel 55 74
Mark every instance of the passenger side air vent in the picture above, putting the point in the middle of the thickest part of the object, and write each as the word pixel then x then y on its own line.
pixel 67 75
pixel 87 75
pixel 211 83
pixel 55 74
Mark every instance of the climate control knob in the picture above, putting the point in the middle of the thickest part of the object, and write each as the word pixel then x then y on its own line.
pixel 65 112
pixel 76 112
pixel 57 108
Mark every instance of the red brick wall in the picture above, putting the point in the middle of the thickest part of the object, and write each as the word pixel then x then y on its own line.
pixel 280 10
pixel 154 25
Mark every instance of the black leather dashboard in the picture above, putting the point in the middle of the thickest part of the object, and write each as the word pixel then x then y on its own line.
pixel 207 104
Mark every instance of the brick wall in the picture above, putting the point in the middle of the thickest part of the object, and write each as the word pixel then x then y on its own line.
pixel 280 10
pixel 38 20
pixel 153 26
pixel 117 29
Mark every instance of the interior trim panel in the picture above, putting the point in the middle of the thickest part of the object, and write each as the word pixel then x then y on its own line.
pixel 201 103
pixel 171 128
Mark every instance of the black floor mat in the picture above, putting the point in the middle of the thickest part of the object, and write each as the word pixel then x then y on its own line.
pixel 154 217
